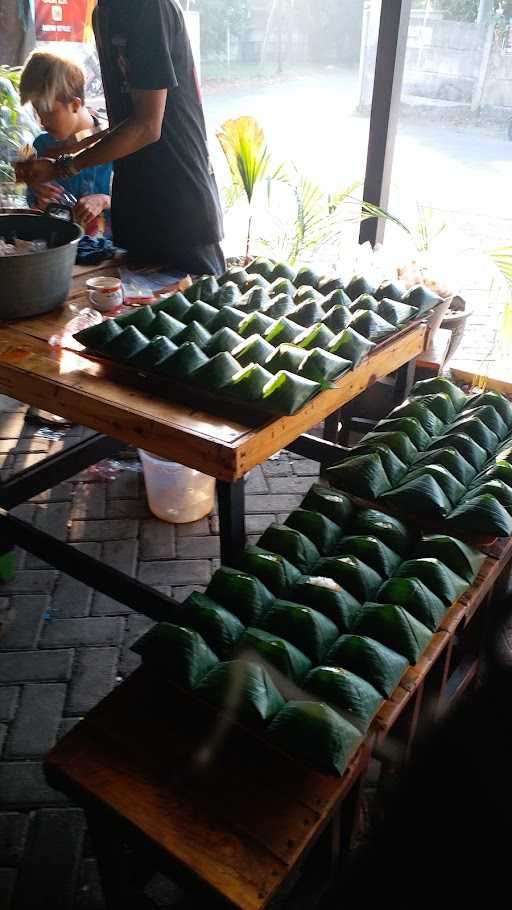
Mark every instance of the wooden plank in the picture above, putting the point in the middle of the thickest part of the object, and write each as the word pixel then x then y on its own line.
pixel 492 382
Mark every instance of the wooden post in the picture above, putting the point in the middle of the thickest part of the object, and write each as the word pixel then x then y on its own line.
pixel 479 88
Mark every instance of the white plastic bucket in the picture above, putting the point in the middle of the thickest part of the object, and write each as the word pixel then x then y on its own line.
pixel 175 493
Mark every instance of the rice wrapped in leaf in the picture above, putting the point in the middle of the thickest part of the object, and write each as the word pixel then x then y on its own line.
pixel 495 400
pixel 193 332
pixel 350 345
pixel 417 599
pixel 416 409
pixel 329 502
pixel 281 305
pixel 354 698
pixel 371 551
pixel 440 385
pixel 450 459
pixel 281 286
pixel 481 515
pixel 451 487
pixel 385 527
pixel 141 318
pixel 283 270
pixel 254 350
pixel 154 353
pixel 307 293
pixel 445 584
pixel 217 372
pixel 323 532
pixel 185 360
pixel 254 324
pixel 371 325
pixel 419 296
pixel 286 393
pixel 394 312
pixel 505 452
pixel 362 475
pixel 359 285
pixel 274 653
pixel 501 470
pixel 307 313
pixel 98 337
pixel 421 494
pixel 364 302
pixel 439 404
pixel 329 283
pixel 496 488
pixel 202 289
pixel 477 431
pixel 320 366
pixel 294 546
pixel 282 332
pixel 243 595
pixel 369 659
pixel 248 383
pixel 408 425
pixel 352 574
pixel 227 295
pixel 327 597
pixel 224 340
pixel 180 654
pixel 462 559
pixel 126 345
pixel 310 631
pixel 236 274
pixel 488 416
pixel 219 628
pixel 468 448
pixel 395 469
pixel 227 317
pixel 337 297
pixel 255 281
pixel 398 442
pixel 176 306
pixel 285 357
pixel 394 627
pixel 306 275
pixel 316 735
pixel 244 689
pixel 165 325
pixel 272 569
pixel 253 300
pixel 201 312
pixel 337 318
pixel 317 336
pixel 389 290
pixel 260 266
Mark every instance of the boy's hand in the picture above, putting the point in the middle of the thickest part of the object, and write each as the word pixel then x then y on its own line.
pixel 47 193
pixel 35 171
pixel 89 207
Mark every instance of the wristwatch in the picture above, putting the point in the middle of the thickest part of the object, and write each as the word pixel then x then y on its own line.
pixel 65 166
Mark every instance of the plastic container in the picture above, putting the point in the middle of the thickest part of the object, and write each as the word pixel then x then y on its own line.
pixel 175 493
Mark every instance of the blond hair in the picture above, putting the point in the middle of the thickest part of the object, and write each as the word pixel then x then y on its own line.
pixel 47 78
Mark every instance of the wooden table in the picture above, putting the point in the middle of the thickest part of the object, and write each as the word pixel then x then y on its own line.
pixel 220 441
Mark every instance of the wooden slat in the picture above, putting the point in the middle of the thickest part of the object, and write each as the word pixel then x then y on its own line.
pixel 492 382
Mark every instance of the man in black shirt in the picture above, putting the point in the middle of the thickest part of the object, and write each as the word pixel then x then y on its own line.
pixel 165 204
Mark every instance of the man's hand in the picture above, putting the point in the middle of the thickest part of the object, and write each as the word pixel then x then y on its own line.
pixel 89 207
pixel 36 171
pixel 46 193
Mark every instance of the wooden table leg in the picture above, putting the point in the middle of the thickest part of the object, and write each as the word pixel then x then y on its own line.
pixel 118 879
pixel 404 380
pixel 331 426
pixel 231 520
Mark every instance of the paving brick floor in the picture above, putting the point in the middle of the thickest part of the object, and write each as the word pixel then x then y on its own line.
pixel 66 646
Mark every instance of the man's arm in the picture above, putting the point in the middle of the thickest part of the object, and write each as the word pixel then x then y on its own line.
pixel 141 128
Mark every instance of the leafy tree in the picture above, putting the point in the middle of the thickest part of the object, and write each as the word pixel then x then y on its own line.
pixel 216 17
pixel 460 10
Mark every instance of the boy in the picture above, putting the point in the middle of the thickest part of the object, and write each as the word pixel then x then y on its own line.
pixel 55 87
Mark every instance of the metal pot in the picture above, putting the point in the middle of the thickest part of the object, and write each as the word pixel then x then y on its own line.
pixel 36 283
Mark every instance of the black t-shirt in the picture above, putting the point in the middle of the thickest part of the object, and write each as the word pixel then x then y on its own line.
pixel 166 192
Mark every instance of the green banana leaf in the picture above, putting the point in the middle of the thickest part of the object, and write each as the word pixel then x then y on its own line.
pixel 416 408
pixel 286 393
pixel 227 317
pixel 505 452
pixel 163 324
pixel 329 283
pixel 444 583
pixel 248 383
pixel 316 336
pixel 243 595
pixel 310 631
pixel 497 488
pixel 98 337
pixel 274 653
pixel 179 653
pixel 227 295
pixel 254 350
pixel 462 559
pixel 281 305
pixel 361 475
pixel 255 281
pixel 281 285
pixel 306 275
pixel 439 403
pixel 359 285
pixel 395 469
pixel 201 312
pixel 477 431
pixel 217 372
pixel 497 401
pixel 364 302
pixel 202 289
pixel 450 459
pixel 176 306
pixel 421 494
pixel 236 274
pixel 394 627
pixel 371 551
pixel 183 362
pixel 501 470
pixel 394 312
pixel 408 425
pixel 307 313
pixel 337 318
pixel 255 324
pixel 305 293
pixel 242 688
pixel 224 340
pixel 141 318
pixel 468 448
pixel 283 270
pixel 126 345
pixel 319 529
pixel 369 659
pixel 285 357
pixel 283 331
pixel 440 385
pixel 154 353
pixel 273 570
pixel 350 345
pixel 320 366
pixel 253 300
pixel 481 515
pixel 331 503
pixel 193 332
pixel 336 298
pixel 388 290
pixel 490 417
pixel 371 325
pixel 294 546
pixel 219 628
pixel 260 266
pixel 399 443
pixel 420 297
pixel 354 698
pixel 351 574
pixel 451 487
pixel 386 528
pixel 417 599
pixel 316 735
pixel 327 597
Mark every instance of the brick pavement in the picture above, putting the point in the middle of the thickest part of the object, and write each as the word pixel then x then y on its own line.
pixel 67 646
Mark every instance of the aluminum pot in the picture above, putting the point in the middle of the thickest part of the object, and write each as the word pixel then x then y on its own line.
pixel 35 283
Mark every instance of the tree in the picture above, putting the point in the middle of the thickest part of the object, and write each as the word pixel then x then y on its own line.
pixel 217 16
pixel 17 34
pixel 464 10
